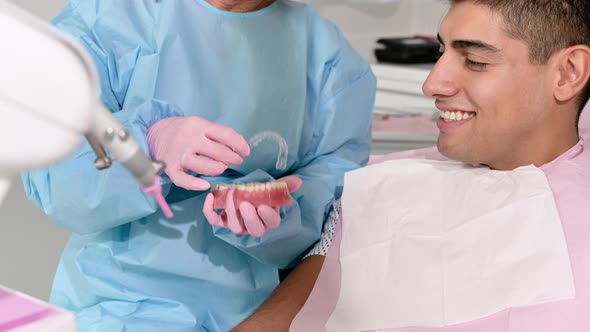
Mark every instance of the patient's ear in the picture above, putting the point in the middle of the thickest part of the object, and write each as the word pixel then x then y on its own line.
pixel 574 72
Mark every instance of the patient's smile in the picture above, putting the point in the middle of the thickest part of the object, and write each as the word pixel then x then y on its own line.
pixel 452 116
pixel 450 119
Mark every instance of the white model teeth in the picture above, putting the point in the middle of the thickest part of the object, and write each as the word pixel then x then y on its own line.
pixel 449 116
pixel 251 187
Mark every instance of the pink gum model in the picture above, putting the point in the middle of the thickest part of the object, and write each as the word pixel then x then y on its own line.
pixel 270 193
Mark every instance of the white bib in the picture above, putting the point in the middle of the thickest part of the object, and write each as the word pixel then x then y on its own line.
pixel 436 243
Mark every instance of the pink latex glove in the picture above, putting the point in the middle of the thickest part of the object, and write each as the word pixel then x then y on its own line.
pixel 195 144
pixel 247 219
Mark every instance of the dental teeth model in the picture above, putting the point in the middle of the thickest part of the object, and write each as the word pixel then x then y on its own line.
pixel 273 194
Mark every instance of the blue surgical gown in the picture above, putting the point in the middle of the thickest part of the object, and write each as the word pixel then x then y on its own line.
pixel 282 69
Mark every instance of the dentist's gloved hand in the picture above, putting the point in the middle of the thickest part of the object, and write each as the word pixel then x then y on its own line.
pixel 195 144
pixel 246 218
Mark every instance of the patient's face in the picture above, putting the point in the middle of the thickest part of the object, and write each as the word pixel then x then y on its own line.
pixel 493 95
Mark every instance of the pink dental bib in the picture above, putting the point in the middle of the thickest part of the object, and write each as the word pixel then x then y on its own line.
pixel 497 296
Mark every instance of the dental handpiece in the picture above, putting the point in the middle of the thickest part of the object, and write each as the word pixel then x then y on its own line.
pixel 107 132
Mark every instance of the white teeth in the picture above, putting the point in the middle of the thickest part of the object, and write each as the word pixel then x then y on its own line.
pixel 250 187
pixel 456 116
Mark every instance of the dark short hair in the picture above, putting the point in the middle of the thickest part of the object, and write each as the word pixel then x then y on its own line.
pixel 547 26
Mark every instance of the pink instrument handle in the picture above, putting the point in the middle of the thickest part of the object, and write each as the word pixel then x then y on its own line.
pixel 156 192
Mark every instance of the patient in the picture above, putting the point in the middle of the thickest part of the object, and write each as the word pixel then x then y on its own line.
pixel 511 85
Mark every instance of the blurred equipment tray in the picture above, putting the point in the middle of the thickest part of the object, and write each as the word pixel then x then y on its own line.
pixel 407 50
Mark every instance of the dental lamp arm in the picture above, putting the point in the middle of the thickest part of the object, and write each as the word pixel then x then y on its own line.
pixel 48 103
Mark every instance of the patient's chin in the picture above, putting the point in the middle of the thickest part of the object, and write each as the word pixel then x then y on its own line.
pixel 457 153
pixel 448 150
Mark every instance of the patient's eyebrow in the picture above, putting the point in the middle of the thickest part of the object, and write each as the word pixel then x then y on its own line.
pixel 474 44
